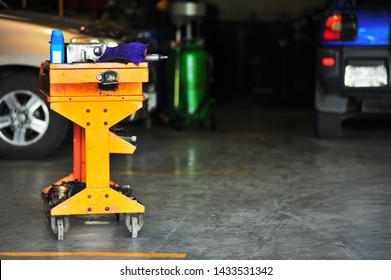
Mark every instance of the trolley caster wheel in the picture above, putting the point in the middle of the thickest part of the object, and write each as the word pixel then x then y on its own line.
pixel 141 220
pixel 46 209
pixel 60 229
pixel 59 226
pixel 135 227
pixel 134 224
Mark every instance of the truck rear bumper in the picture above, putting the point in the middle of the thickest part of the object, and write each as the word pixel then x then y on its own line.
pixel 358 75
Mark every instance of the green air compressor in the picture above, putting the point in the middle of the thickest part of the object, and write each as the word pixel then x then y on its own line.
pixel 189 70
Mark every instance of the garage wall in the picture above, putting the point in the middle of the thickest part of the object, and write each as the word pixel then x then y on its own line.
pixel 266 10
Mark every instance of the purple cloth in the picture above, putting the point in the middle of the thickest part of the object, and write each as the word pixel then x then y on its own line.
pixel 125 52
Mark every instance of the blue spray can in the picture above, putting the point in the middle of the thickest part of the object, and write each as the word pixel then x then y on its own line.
pixel 57 47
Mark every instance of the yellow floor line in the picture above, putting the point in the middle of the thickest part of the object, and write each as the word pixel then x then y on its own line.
pixel 94 254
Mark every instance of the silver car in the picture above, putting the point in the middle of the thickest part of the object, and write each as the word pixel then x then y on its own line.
pixel 28 128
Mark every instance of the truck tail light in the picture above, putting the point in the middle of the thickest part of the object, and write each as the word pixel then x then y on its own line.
pixel 328 61
pixel 340 27
pixel 332 29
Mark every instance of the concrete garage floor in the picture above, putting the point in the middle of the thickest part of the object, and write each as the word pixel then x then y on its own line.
pixel 260 187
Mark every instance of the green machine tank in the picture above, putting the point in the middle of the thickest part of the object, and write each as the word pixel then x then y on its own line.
pixel 189 69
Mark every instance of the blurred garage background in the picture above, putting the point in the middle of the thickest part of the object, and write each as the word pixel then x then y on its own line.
pixel 262 41
pixel 258 185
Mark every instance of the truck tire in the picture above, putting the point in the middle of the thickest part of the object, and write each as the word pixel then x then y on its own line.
pixel 328 125
pixel 28 128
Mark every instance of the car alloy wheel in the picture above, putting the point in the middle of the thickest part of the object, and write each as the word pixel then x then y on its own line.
pixel 24 118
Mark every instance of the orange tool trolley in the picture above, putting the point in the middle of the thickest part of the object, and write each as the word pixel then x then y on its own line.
pixel 94 96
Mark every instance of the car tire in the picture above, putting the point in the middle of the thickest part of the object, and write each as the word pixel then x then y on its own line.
pixel 28 128
pixel 328 125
